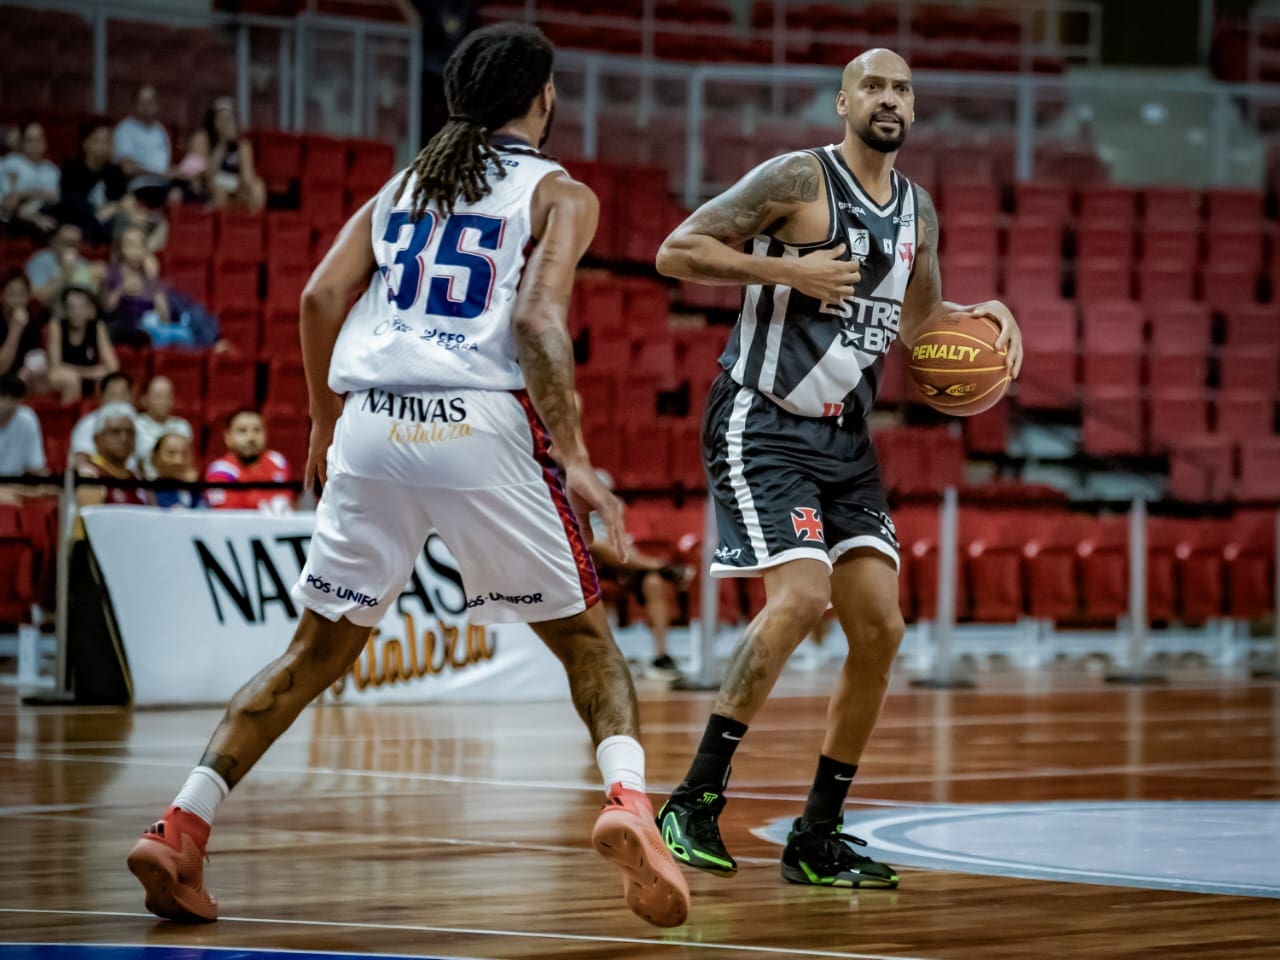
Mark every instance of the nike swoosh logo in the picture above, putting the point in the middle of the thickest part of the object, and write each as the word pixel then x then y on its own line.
pixel 838 777
pixel 730 736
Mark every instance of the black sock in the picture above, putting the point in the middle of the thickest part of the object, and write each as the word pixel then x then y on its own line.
pixel 830 787
pixel 710 766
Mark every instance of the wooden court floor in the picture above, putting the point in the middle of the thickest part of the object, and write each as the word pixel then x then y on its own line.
pixel 462 831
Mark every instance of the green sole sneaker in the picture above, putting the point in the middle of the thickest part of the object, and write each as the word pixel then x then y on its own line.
pixel 820 855
pixel 689 828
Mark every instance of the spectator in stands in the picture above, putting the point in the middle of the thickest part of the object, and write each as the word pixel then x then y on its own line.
pixel 133 295
pixel 140 143
pixel 113 440
pixel 60 265
pixel 29 184
pixel 94 190
pixel 19 331
pixel 248 460
pixel 21 444
pixel 156 420
pixel 80 351
pixel 171 459
pixel 117 388
pixel 233 180
pixel 190 176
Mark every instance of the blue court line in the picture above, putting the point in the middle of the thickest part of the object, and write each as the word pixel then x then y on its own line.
pixel 1227 848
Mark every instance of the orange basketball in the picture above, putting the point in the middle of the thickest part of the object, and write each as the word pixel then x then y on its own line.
pixel 955 366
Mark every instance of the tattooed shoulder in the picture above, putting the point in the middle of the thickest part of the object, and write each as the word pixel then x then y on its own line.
pixel 754 202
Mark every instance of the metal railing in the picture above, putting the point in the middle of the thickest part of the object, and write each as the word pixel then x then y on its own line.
pixel 691 105
pixel 1040 33
pixel 310 58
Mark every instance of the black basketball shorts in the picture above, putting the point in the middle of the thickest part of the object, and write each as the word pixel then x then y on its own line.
pixel 788 487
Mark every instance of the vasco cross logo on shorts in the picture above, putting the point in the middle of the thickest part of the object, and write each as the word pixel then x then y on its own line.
pixel 807 523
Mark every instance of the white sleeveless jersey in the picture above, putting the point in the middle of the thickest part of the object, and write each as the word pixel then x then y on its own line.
pixel 438 309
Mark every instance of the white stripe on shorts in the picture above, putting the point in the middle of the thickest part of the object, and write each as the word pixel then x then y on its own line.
pixel 742 492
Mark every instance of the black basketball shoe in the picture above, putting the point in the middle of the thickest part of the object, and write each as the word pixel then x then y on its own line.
pixel 819 854
pixel 689 824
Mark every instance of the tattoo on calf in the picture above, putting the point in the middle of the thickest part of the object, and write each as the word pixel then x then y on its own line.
pixel 748 671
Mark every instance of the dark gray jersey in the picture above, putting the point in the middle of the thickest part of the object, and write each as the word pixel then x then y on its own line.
pixel 825 359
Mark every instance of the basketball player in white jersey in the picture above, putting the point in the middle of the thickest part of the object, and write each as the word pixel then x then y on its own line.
pixel 444 400
pixel 841 260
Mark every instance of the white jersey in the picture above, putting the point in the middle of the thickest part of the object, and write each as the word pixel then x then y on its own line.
pixel 437 313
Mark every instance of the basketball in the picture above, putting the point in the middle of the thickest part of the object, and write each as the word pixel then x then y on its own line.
pixel 955 366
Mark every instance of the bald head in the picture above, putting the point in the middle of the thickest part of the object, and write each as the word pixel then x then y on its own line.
pixel 877 100
pixel 880 62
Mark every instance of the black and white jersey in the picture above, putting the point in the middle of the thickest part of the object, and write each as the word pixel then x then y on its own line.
pixel 825 359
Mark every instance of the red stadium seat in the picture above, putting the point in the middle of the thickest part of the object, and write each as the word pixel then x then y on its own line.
pixel 1051 564
pixel 287 386
pixel 232 382
pixel 1178 245
pixel 1045 201
pixel 290 434
pixel 1245 414
pixel 1163 282
pixel 284 289
pixel 235 286
pixel 1252 326
pixel 240 238
pixel 987 432
pixel 1112 423
pixel 278 159
pixel 597 392
pixel 1232 246
pixel 1104 569
pixel 189 278
pixel 1113 326
pixel 1171 206
pixel 288 242
pixel 136 362
pixel 1260 469
pixel 686 455
pixel 1103 280
pixel 1201 568
pixel 1108 205
pixel 324 161
pixel 1202 468
pixel 1249 369
pixel 605 444
pixel 186 369
pixel 1227 287
pixel 646 455
pixel 1234 206
pixel 992 549
pixel 17 579
pixel 1035 240
pixel 1049 379
pixel 1175 415
pixel 191 237
pixel 1250 557
pixel 1106 241
pixel 241 329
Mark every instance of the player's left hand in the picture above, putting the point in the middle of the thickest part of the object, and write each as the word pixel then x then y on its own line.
pixel 318 452
pixel 1010 339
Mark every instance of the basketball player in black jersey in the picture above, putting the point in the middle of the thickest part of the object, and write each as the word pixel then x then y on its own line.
pixel 839 256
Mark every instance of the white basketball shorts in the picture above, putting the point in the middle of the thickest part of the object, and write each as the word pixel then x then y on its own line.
pixel 472 465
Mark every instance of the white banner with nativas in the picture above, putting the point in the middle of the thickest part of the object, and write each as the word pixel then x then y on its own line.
pixel 201 599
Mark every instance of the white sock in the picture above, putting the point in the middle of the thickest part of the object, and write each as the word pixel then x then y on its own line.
pixel 202 793
pixel 621 760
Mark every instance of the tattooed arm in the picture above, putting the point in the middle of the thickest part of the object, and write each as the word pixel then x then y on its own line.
pixel 564 213
pixel 923 302
pixel 704 247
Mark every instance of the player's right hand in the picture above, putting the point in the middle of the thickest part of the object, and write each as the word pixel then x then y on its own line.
pixel 825 275
pixel 585 487
pixel 318 453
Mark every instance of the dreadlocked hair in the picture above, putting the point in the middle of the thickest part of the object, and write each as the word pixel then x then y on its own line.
pixel 489 81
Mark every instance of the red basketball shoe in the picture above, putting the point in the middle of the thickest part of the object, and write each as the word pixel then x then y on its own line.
pixel 625 834
pixel 168 861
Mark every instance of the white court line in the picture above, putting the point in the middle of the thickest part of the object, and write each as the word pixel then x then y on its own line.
pixel 578 785
pixel 472 931
pixel 173 948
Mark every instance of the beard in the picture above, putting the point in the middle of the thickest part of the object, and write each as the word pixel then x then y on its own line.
pixel 881 144
pixel 546 131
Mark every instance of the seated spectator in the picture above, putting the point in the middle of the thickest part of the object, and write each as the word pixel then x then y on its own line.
pixel 170 458
pixel 645 578
pixel 190 175
pixel 29 184
pixel 233 180
pixel 94 190
pixel 60 265
pixel 155 420
pixel 117 388
pixel 140 144
pixel 113 449
pixel 21 443
pixel 248 460
pixel 19 332
pixel 80 351
pixel 132 293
